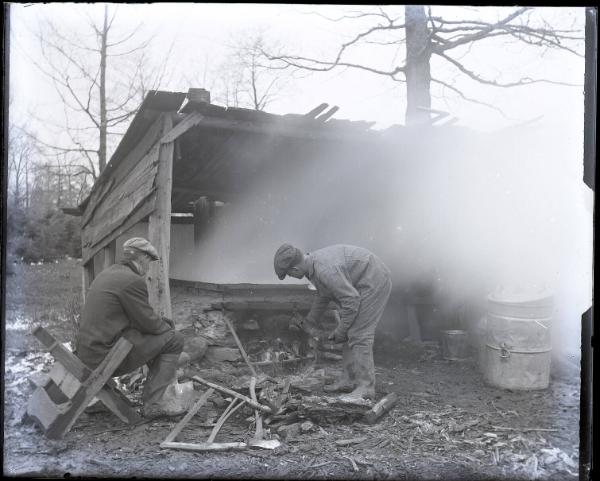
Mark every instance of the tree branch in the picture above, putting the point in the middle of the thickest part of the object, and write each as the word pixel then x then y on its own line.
pixel 478 78
pixel 468 99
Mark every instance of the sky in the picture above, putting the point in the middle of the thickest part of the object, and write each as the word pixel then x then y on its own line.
pixel 200 34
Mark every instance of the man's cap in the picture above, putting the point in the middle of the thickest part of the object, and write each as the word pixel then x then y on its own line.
pixel 286 256
pixel 142 245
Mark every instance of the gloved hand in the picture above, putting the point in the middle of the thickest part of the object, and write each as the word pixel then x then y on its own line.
pixel 296 323
pixel 337 336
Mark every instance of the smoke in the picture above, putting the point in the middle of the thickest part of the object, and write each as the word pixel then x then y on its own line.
pixel 465 210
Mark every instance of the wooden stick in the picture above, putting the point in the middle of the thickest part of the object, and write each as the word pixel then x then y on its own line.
pixel 283 361
pixel 204 446
pixel 500 428
pixel 354 466
pixel 193 410
pixel 223 418
pixel 346 442
pixel 239 344
pixel 230 392
pixel 258 434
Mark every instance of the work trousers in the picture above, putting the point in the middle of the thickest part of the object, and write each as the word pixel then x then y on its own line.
pixel 146 347
pixel 358 355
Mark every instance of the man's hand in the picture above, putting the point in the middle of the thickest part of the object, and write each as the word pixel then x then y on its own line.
pixel 337 336
pixel 296 323
pixel 169 322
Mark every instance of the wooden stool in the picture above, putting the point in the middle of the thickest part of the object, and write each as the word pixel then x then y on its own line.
pixel 62 395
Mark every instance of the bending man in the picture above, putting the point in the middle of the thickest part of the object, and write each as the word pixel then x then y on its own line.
pixel 117 306
pixel 360 284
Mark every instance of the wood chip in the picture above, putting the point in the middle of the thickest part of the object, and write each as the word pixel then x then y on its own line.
pixel 346 442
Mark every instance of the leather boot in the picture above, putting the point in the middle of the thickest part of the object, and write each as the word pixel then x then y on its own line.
pixel 345 383
pixel 161 395
pixel 365 375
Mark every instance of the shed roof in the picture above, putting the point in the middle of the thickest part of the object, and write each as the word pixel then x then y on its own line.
pixel 215 139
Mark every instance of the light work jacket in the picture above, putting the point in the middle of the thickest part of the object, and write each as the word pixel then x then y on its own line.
pixel 344 274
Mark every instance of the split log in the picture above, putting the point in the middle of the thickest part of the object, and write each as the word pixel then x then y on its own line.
pixel 382 407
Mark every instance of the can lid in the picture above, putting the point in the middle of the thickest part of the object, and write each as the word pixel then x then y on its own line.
pixel 518 294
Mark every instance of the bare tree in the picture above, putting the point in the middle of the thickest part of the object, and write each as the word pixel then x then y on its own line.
pixel 21 151
pixel 101 76
pixel 424 36
pixel 246 77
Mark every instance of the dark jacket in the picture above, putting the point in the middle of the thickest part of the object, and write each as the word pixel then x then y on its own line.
pixel 117 305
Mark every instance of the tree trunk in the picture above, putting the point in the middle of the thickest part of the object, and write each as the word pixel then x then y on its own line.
pixel 103 126
pixel 27 187
pixel 418 55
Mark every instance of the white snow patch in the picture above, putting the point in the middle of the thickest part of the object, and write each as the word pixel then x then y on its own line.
pixel 18 324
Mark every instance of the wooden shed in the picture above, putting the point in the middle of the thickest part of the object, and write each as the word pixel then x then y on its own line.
pixel 179 161
pixel 183 159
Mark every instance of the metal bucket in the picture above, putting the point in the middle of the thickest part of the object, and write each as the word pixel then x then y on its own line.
pixel 455 345
pixel 518 344
pixel 480 342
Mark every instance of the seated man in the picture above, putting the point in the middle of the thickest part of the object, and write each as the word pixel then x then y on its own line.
pixel 360 284
pixel 116 305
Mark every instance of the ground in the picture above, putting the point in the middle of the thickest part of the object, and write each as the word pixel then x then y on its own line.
pixel 447 424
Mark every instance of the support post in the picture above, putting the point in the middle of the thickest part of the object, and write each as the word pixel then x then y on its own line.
pixel 159 227
pixel 109 254
pixel 87 277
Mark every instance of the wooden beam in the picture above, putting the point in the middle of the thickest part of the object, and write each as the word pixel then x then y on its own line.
pixel 203 191
pixel 182 127
pixel 288 129
pixel 316 111
pixel 159 227
pixel 327 115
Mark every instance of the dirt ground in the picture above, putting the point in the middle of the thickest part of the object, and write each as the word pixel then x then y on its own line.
pixel 447 423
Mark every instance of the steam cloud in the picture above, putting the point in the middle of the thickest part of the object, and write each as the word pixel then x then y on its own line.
pixel 471 211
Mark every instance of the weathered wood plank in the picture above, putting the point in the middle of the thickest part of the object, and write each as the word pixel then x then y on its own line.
pixel 140 213
pixel 90 387
pixel 267 305
pixel 110 254
pixel 96 201
pixel 67 383
pixel 87 276
pixel 182 127
pixel 137 183
pixel 159 227
pixel 115 219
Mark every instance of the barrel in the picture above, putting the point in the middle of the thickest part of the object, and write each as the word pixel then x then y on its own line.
pixel 455 345
pixel 518 343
